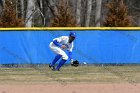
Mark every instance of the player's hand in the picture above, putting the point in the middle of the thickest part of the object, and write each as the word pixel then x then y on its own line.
pixel 71 61
pixel 75 63
pixel 63 46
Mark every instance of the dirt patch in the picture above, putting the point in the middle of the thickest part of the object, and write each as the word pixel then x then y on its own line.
pixel 70 88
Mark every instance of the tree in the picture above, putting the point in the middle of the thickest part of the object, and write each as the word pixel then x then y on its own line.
pixel 98 12
pixel 89 8
pixel 117 15
pixel 52 6
pixel 81 12
pixel 1 6
pixel 64 16
pixel 8 18
pixel 1 3
pixel 30 12
pixel 22 8
pixel 78 13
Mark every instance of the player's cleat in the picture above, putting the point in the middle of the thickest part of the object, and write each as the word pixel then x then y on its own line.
pixel 52 67
pixel 56 70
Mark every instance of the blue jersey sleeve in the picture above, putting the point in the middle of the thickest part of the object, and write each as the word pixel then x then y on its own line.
pixel 57 43
pixel 70 55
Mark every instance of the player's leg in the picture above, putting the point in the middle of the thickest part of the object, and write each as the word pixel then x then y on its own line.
pixel 57 51
pixel 57 57
pixel 62 62
pixel 60 52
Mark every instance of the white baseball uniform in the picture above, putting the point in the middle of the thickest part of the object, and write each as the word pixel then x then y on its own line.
pixel 64 40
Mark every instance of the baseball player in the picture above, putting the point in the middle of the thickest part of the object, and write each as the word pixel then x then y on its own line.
pixel 58 46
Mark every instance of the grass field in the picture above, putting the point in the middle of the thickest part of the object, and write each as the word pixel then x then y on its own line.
pixel 68 74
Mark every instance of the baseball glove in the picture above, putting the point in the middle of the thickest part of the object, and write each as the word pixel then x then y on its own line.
pixel 75 63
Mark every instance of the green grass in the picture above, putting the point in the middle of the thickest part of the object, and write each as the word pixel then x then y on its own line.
pixel 68 74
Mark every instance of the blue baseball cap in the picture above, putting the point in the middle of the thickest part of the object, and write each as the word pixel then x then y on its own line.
pixel 73 34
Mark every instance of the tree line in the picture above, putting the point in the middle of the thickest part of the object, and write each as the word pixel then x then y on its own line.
pixel 69 13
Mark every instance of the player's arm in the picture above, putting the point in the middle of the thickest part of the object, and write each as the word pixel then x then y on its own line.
pixel 70 57
pixel 57 42
pixel 70 53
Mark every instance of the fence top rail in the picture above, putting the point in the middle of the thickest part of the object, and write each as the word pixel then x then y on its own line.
pixel 70 28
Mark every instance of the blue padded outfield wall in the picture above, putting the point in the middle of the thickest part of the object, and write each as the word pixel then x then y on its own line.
pixel 97 47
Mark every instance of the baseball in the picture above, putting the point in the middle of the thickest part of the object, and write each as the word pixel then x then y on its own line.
pixel 84 63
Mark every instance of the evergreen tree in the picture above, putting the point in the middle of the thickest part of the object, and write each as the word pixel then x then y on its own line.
pixel 64 16
pixel 9 18
pixel 118 15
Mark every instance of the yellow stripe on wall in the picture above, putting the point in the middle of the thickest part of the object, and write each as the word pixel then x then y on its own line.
pixel 71 28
